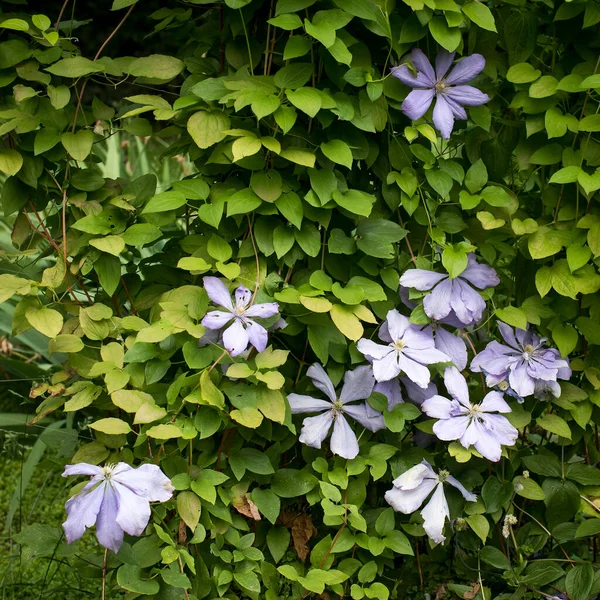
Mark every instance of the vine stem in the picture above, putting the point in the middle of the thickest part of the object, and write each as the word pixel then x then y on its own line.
pixel 60 14
pixel 104 574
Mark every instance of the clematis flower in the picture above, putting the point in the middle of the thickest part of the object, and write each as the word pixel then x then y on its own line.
pixel 408 349
pixel 448 89
pixel 358 385
pixel 116 500
pixel 453 297
pixel 392 391
pixel 413 487
pixel 472 424
pixel 243 330
pixel 524 361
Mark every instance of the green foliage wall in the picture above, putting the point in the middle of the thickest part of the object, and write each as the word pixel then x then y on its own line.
pixel 308 185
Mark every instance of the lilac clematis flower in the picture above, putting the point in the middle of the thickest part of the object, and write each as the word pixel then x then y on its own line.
pixel 448 89
pixel 243 330
pixel 116 500
pixel 453 297
pixel 413 487
pixel 409 349
pixel 525 362
pixel 358 385
pixel 472 424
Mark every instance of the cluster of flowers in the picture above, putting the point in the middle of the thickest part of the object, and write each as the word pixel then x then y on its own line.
pixel 116 499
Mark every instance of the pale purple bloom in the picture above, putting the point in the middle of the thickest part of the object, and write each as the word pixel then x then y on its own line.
pixel 413 487
pixel 408 349
pixel 358 385
pixel 116 500
pixel 472 424
pixel 448 89
pixel 453 297
pixel 524 361
pixel 392 391
pixel 243 330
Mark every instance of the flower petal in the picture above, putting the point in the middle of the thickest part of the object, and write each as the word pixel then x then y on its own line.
pixel 322 381
pixel 508 334
pixel 218 292
pixel 215 319
pixel 456 385
pixel 133 513
pixel 435 514
pixel 414 371
pixel 243 296
pixel 372 350
pixel 422 64
pixel 83 469
pixel 387 368
pixel 501 428
pixel 303 404
pixel 467 303
pixel 264 310
pixel 358 384
pixel 148 482
pixel 452 346
pixel 461 488
pixel 437 303
pixel 468 68
pixel 451 429
pixel 108 532
pixel 391 390
pixel 494 402
pixel 82 510
pixel 457 110
pixel 343 440
pixel 407 77
pixel 481 276
pixel 369 419
pixel 521 381
pixel 437 407
pixel 443 61
pixel 412 478
pixel 407 501
pixel 466 95
pixel 315 429
pixel 417 103
pixel 397 324
pixel 421 279
pixel 443 117
pixel 257 335
pixel 235 338
pixel 417 394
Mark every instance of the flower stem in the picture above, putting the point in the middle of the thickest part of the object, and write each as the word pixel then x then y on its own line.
pixel 104 574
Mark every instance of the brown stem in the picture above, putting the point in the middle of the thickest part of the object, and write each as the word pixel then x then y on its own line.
pixel 60 14
pixel 128 297
pixel 104 574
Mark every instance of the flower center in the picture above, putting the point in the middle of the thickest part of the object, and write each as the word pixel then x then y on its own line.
pixel 503 386
pixel 440 86
pixel 338 406
pixel 399 345
pixel 443 475
pixel 527 351
pixel 240 310
pixel 107 471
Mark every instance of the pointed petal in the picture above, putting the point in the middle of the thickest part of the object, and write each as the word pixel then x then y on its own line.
pixel 417 103
pixel 83 469
pixel 442 63
pixel 315 429
pixel 369 419
pixel 481 276
pixel 407 77
pixel 215 319
pixel 387 368
pixel 407 501
pixel 456 385
pixel 508 334
pixel 343 440
pixel 263 311
pixel 426 356
pixel 422 64
pixel 391 390
pixel 468 68
pixel 437 303
pixel 494 402
pixel 235 338
pixel 242 297
pixel 148 482
pixel 417 394
pixel 520 381
pixel 421 279
pixel 467 303
pixel 108 532
pixel 257 335
pixel 358 384
pixel 443 117
pixel 414 371
pixel 411 479
pixel 303 404
pixel 501 428
pixel 371 350
pixel 133 513
pixel 451 429
pixel 322 381
pixel 217 292
pixel 466 95
pixel 397 324
pixel 452 346
pixel 457 110
pixel 461 488
pixel 437 407
pixel 435 514
pixel 82 511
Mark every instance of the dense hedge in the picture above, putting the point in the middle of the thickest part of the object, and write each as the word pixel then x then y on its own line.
pixel 432 256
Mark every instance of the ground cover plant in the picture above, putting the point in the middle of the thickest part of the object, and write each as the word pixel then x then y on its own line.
pixel 308 294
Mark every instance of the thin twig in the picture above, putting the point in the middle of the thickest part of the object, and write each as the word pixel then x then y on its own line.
pixel 60 14
pixel 104 574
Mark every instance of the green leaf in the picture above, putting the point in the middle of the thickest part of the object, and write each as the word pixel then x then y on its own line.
pixel 78 145
pixel 45 320
pixel 300 156
pixel 480 525
pixel 75 67
pixel 278 541
pixel 447 37
pixel 111 426
pixel 338 151
pixel 376 237
pixel 492 556
pixel 397 542
pixel 291 483
pixel 156 66
pixel 545 86
pixel 513 316
pixel 129 577
pixel 354 201
pixel 108 269
pixel 293 76
pixel 11 161
pixel 290 206
pixel 289 22
pixel 164 432
pixel 112 244
pixel 527 488
pixel 522 73
pixel 308 100
pixel 579 581
pixel 554 424
pixel 141 234
pixel 208 128
pixel 476 177
pixel 548 155
pixel 188 507
pixel 243 202
pixel 480 14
